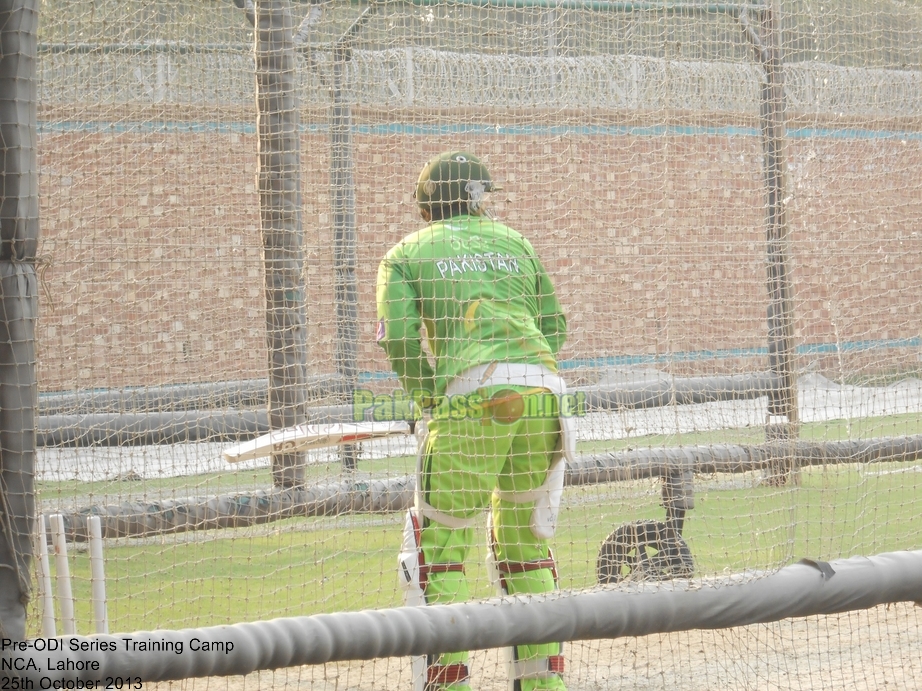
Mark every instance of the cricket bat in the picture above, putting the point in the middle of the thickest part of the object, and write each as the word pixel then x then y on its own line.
pixel 304 437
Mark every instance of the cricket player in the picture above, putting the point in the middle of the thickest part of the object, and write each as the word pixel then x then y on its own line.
pixel 496 437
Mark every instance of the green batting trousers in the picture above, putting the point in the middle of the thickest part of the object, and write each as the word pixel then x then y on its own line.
pixel 467 456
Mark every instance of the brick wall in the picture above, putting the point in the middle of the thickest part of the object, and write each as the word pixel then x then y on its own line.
pixel 655 242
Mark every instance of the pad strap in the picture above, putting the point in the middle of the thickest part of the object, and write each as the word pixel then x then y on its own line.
pixel 523 566
pixel 426 569
pixel 447 674
pixel 509 567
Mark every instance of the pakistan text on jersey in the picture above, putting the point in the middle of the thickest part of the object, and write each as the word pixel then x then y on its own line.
pixel 464 263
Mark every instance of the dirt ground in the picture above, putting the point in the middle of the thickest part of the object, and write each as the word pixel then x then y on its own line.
pixel 874 649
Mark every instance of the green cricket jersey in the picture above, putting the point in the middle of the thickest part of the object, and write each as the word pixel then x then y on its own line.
pixel 482 295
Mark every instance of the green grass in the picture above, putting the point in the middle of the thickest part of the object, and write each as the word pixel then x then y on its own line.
pixel 309 566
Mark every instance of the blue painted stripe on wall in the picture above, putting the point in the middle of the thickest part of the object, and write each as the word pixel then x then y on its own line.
pixel 698 355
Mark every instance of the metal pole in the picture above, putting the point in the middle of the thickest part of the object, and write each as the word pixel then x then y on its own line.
pixel 806 589
pixel 279 184
pixel 342 183
pixel 782 418
pixel 19 235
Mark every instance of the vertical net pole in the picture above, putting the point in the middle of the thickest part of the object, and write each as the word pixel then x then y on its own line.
pixel 279 185
pixel 345 259
pixel 19 231
pixel 344 256
pixel 782 422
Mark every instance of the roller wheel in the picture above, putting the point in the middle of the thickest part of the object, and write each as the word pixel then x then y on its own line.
pixel 645 550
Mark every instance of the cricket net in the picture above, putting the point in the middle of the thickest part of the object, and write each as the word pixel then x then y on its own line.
pixel 726 197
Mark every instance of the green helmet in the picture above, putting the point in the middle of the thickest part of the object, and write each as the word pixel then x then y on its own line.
pixel 452 178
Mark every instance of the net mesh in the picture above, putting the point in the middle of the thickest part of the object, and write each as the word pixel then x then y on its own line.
pixel 627 139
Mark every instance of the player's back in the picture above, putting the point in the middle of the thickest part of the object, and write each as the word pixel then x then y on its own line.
pixel 477 283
